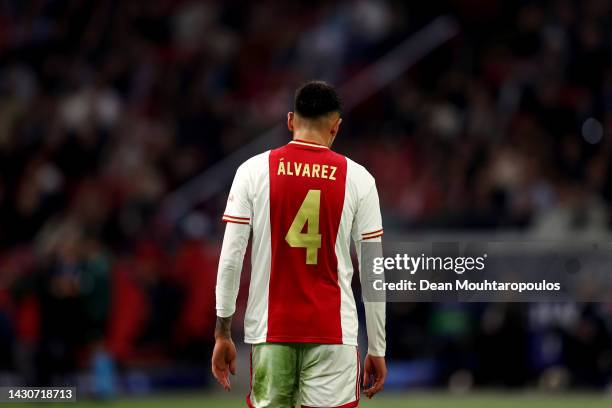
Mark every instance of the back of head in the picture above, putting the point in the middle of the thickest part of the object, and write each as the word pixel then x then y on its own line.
pixel 315 100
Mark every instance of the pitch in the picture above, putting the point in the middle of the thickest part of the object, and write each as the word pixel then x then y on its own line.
pixel 382 401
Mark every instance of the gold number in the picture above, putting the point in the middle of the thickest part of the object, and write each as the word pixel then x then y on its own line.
pixel 311 239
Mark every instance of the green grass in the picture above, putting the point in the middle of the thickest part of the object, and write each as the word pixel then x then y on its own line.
pixel 390 400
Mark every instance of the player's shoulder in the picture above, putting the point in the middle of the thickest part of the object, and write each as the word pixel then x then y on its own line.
pixel 358 174
pixel 255 163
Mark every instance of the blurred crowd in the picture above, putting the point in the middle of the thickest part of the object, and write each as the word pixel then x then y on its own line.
pixel 108 106
pixel 506 127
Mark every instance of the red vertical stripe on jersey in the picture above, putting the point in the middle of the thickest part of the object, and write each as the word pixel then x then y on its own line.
pixel 304 300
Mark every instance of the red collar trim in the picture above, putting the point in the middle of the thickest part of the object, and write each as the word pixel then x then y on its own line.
pixel 307 143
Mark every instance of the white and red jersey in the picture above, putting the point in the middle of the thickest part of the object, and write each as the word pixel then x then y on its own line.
pixel 304 203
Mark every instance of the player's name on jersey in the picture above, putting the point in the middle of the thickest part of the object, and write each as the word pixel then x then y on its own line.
pixel 316 170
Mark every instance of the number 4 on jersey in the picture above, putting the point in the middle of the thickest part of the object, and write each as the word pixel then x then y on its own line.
pixel 311 239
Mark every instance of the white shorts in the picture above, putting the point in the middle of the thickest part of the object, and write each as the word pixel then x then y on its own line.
pixel 287 375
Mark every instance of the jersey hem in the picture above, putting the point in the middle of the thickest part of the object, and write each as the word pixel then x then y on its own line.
pixel 292 339
pixel 351 404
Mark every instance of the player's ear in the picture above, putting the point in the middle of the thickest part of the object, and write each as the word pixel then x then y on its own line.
pixel 290 117
pixel 335 127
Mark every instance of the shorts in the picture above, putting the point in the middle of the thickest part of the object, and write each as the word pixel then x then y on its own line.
pixel 287 375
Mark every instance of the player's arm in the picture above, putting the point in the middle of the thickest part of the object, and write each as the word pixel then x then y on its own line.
pixel 367 228
pixel 238 218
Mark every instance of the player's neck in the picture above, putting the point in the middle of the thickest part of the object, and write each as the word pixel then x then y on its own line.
pixel 313 137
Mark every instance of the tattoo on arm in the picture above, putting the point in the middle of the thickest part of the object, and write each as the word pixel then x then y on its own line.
pixel 223 327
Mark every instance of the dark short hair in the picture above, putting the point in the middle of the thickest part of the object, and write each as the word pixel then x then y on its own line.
pixel 315 99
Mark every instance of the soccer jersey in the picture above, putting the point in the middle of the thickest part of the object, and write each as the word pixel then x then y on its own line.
pixel 304 202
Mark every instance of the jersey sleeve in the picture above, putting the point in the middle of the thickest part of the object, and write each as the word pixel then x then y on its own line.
pixel 239 207
pixel 375 312
pixel 368 221
pixel 234 246
pixel 367 226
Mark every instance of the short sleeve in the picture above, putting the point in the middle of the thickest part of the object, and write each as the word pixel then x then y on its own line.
pixel 368 221
pixel 239 204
